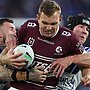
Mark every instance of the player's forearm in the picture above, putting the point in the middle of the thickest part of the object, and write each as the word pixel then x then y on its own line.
pixel 15 75
pixel 1 63
pixel 5 57
pixel 4 60
pixel 86 72
pixel 6 74
pixel 82 60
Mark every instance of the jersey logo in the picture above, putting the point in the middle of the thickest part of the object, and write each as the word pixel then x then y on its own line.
pixel 31 41
pixel 65 33
pixel 30 24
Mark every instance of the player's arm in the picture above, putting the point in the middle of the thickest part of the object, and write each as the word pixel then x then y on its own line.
pixel 81 59
pixel 7 74
pixel 8 58
pixel 62 63
pixel 86 76
pixel 35 74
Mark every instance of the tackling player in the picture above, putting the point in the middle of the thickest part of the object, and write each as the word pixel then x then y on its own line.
pixel 7 58
pixel 80 25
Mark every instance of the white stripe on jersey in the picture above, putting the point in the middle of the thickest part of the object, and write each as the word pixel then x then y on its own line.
pixel 43 58
pixel 87 49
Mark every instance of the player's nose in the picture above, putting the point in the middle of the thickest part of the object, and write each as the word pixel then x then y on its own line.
pixel 49 27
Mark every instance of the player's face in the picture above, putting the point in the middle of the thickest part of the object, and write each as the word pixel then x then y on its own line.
pixel 7 28
pixel 49 26
pixel 1 39
pixel 82 32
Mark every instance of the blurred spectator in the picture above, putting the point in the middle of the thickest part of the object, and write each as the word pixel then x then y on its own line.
pixel 3 8
pixel 30 7
pixel 15 9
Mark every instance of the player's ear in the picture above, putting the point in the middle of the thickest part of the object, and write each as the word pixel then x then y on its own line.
pixel 60 18
pixel 37 16
pixel 1 35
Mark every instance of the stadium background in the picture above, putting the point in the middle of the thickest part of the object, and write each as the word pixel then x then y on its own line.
pixel 21 10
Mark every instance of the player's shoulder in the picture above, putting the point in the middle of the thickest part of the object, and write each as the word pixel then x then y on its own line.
pixel 68 35
pixel 30 23
pixel 66 32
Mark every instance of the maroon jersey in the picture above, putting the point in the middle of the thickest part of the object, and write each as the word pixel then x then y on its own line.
pixel 48 49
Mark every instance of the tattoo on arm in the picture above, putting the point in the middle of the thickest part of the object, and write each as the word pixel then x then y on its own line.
pixel 5 73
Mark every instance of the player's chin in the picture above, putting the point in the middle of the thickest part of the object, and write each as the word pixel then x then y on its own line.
pixel 48 35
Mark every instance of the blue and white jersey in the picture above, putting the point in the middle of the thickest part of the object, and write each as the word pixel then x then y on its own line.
pixel 70 81
pixel 86 50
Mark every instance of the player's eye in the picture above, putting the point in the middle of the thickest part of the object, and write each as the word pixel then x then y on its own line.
pixel 88 29
pixel 45 23
pixel 54 23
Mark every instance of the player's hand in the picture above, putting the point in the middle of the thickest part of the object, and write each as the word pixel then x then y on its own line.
pixel 86 76
pixel 11 40
pixel 37 74
pixel 86 81
pixel 11 59
pixel 59 65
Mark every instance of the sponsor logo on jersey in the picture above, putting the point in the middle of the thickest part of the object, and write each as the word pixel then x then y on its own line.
pixel 46 41
pixel 45 66
pixel 65 33
pixel 45 62
pixel 67 82
pixel 31 24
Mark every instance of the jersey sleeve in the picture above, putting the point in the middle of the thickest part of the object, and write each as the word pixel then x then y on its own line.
pixel 22 32
pixel 75 46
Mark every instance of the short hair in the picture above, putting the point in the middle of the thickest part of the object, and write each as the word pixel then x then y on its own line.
pixel 49 7
pixel 3 20
pixel 78 19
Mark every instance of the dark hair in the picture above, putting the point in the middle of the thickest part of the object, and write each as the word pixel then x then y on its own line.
pixel 49 7
pixel 79 19
pixel 3 20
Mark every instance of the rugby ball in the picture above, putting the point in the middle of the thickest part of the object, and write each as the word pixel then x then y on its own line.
pixel 27 51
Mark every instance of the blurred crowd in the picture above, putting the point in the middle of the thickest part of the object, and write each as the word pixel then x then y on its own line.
pixel 28 8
